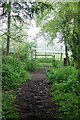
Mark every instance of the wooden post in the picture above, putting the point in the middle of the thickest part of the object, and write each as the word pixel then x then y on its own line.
pixel 45 54
pixel 35 54
pixel 66 61
pixel 31 59
pixel 53 60
pixel 8 29
pixel 61 55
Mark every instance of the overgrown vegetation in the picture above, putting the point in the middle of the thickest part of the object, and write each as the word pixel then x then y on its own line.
pixel 65 90
pixel 53 18
pixel 44 62
pixel 8 106
pixel 15 72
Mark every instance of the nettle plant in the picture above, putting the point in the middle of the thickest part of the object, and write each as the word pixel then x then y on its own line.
pixel 13 73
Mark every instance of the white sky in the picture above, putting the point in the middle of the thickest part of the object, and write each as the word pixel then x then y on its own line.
pixel 33 29
pixel 41 42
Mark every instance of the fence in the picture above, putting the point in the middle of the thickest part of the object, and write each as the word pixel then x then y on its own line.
pixel 46 54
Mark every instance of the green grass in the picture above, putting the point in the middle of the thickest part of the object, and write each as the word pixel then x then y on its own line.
pixel 45 64
pixel 48 62
pixel 45 60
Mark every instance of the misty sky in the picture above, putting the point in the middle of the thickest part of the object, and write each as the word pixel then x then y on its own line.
pixel 42 44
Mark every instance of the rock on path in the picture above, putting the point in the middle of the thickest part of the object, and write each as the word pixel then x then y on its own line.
pixel 34 99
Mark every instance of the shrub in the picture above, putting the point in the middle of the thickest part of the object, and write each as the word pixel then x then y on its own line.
pixel 9 110
pixel 69 106
pixel 13 73
pixel 57 63
pixel 61 74
pixel 24 55
pixel 34 65
pixel 67 99
pixel 65 90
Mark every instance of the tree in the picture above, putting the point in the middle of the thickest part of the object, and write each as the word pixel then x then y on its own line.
pixel 64 18
pixel 20 10
pixel 12 11
pixel 8 27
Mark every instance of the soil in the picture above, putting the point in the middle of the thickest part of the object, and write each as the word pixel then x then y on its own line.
pixel 34 99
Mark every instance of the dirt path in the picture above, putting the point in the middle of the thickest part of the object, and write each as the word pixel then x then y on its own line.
pixel 34 101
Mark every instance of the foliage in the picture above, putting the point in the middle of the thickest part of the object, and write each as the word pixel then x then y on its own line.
pixel 9 111
pixel 34 65
pixel 68 105
pixel 61 74
pixel 44 62
pixel 64 18
pixel 65 90
pixel 66 94
pixel 16 38
pixel 14 73
pixel 24 54
pixel 27 9
pixel 57 63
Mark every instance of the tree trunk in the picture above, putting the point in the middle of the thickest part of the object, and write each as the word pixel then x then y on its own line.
pixel 66 50
pixel 78 66
pixel 66 59
pixel 8 29
pixel 78 39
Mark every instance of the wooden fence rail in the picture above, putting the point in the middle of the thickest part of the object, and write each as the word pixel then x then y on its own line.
pixel 46 54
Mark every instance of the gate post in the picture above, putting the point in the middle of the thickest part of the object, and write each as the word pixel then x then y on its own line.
pixel 61 55
pixel 53 60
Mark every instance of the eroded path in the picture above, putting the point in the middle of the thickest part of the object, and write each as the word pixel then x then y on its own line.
pixel 34 100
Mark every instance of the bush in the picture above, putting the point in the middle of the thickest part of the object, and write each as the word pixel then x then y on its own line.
pixel 13 73
pixel 34 65
pixel 66 94
pixel 69 106
pixel 61 74
pixel 9 111
pixel 24 55
pixel 65 90
pixel 57 63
